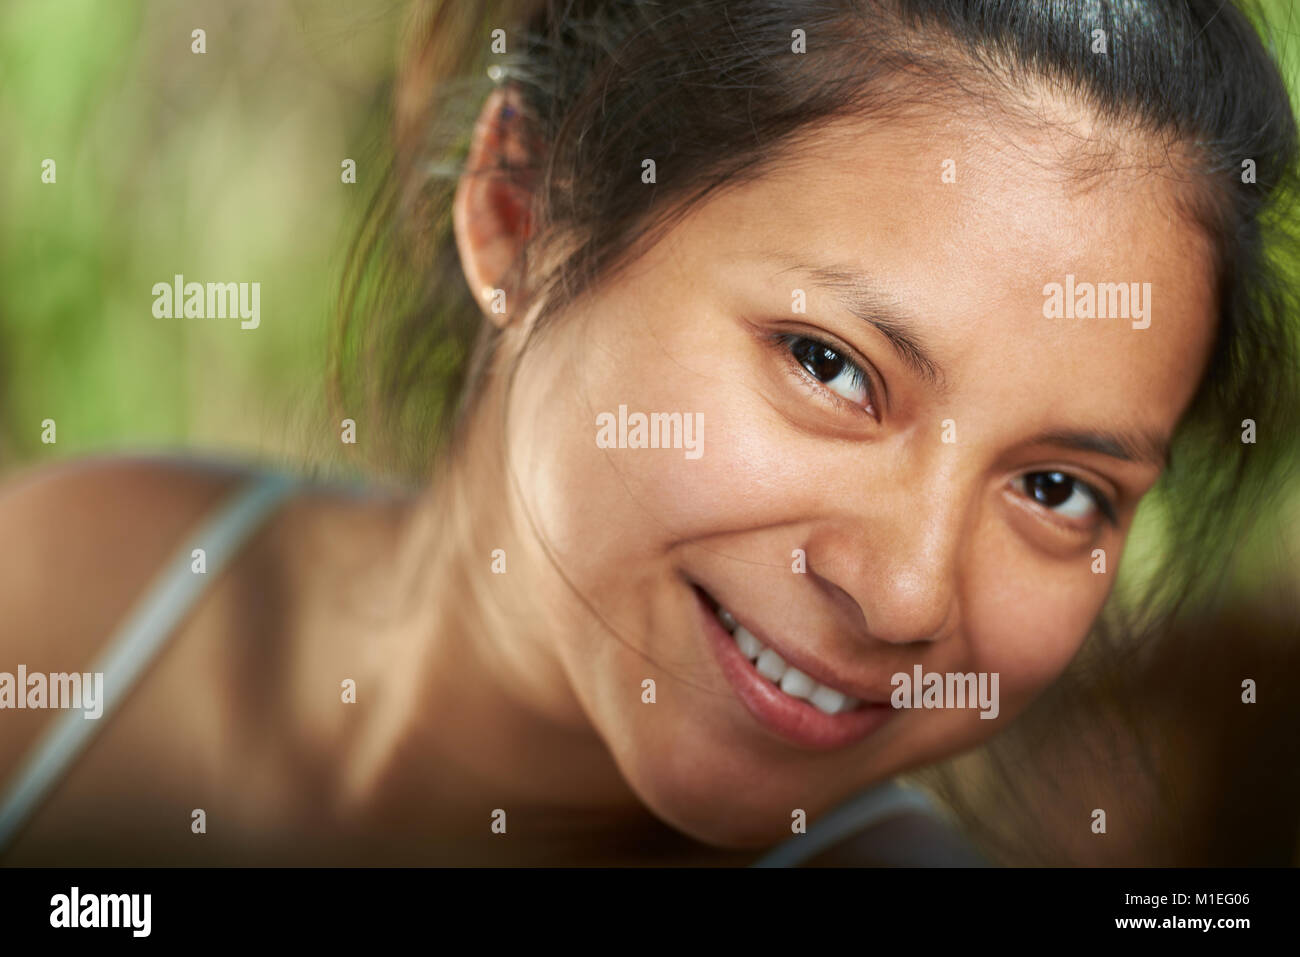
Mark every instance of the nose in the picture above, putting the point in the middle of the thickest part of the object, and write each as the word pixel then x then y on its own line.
pixel 893 564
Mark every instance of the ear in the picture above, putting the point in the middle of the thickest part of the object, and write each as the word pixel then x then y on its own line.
pixel 490 212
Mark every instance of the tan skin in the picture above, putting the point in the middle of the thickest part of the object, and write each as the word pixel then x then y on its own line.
pixel 523 691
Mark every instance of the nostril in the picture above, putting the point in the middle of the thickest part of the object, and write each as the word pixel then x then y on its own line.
pixel 854 619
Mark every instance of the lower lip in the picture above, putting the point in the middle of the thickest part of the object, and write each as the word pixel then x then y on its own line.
pixel 793 721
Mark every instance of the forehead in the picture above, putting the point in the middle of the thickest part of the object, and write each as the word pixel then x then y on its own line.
pixel 967 224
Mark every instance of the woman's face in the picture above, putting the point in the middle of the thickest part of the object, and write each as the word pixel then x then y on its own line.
pixel 923 477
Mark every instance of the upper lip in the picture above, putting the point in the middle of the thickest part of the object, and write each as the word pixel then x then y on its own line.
pixel 818 672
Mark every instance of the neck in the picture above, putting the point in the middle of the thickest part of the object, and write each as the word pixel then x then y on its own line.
pixel 477 711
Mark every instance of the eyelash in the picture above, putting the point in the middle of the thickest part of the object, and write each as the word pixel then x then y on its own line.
pixel 860 379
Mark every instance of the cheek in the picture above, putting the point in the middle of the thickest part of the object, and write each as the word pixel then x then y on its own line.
pixel 1029 617
pixel 1024 623
pixel 605 506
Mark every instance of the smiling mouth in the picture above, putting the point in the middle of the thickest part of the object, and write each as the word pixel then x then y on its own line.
pixel 786 701
pixel 767 662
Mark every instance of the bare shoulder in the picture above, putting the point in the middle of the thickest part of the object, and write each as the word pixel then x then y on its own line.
pixel 81 540
pixel 215 719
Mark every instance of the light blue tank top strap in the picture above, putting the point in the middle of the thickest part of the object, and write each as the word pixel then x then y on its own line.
pixel 138 640
pixel 942 845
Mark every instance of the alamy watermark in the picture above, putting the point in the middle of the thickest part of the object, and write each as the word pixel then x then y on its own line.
pixel 949 690
pixel 75 909
pixel 657 430
pixel 1102 300
pixel 59 689
pixel 215 300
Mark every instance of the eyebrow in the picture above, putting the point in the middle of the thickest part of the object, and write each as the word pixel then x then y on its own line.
pixel 1140 447
pixel 880 310
pixel 884 312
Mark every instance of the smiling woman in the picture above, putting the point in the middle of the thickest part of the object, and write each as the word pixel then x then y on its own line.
pixel 971 554
pixel 563 650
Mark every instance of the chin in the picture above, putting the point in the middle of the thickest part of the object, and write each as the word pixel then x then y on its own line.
pixel 708 801
pixel 719 825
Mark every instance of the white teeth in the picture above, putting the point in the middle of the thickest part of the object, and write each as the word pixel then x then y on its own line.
pixel 828 700
pixel 770 665
pixel 749 646
pixel 790 680
pixel 797 684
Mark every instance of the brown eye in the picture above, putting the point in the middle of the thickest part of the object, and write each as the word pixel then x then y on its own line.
pixel 825 364
pixel 1049 488
pixel 1063 494
pixel 839 374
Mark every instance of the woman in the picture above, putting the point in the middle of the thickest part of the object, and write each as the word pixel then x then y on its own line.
pixel 816 349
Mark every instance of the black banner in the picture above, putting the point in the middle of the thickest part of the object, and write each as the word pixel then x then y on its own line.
pixel 136 907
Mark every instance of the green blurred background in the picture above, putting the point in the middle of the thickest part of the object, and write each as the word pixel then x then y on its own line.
pixel 224 166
